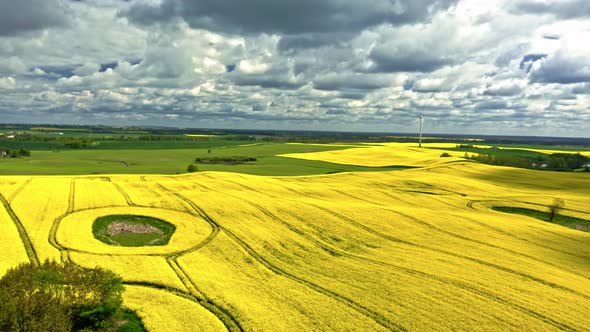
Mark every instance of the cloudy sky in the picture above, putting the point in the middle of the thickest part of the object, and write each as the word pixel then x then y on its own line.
pixel 468 66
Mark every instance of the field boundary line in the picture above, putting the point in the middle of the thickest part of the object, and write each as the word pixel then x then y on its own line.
pixel 22 232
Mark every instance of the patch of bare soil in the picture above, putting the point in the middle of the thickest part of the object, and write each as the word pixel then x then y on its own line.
pixel 119 227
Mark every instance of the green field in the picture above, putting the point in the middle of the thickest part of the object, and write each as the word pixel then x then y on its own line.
pixel 571 222
pixel 175 160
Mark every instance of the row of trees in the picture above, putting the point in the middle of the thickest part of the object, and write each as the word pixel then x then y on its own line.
pixel 22 152
pixel 555 161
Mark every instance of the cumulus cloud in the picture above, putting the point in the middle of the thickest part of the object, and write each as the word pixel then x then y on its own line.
pixel 7 83
pixel 505 88
pixel 467 66
pixel 562 67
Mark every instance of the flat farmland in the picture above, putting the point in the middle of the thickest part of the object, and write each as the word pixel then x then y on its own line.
pixel 406 250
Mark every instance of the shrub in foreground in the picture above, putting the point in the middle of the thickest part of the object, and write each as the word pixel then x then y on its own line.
pixel 58 297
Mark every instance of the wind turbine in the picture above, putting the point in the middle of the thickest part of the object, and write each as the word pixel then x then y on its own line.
pixel 420 142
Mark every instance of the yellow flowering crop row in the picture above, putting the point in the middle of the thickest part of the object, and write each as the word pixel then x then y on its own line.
pixel 92 193
pixel 147 193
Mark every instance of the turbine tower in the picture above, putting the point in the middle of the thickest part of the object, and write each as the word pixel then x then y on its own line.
pixel 420 141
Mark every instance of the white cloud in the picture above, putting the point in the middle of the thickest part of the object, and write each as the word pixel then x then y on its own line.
pixel 253 66
pixel 7 82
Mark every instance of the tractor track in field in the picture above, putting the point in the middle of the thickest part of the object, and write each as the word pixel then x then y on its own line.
pixel 229 324
pixel 479 261
pixel 440 251
pixel 378 318
pixel 22 232
pixel 72 196
pixel 18 190
pixel 222 314
pixel 458 284
pixel 52 238
pixel 124 194
pixel 486 244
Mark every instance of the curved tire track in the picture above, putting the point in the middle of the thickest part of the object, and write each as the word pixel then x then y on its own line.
pixel 18 190
pixel 378 318
pixel 461 285
pixel 22 232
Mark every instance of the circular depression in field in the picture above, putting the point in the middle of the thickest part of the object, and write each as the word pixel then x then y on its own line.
pixel 132 231
pixel 76 231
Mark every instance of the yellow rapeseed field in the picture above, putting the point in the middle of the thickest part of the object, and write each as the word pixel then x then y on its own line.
pixel 92 193
pixel 388 154
pixel 419 249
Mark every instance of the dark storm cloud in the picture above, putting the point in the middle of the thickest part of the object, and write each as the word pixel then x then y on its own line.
pixel 413 61
pixel 287 17
pixel 491 105
pixel 334 82
pixel 504 90
pixel 59 71
pixel 562 9
pixel 290 43
pixel 266 81
pixel 21 16
pixel 562 68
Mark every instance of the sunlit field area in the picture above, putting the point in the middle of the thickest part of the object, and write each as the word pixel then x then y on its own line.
pixel 416 249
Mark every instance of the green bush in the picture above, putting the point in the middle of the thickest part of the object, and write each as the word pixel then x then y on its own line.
pixel 58 297
pixel 192 168
pixel 445 155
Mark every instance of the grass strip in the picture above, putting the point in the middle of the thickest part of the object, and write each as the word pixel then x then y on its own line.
pixel 567 221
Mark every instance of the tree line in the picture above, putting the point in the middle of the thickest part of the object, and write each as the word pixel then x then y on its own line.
pixel 554 161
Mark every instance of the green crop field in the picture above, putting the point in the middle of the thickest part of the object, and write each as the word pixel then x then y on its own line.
pixel 174 160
